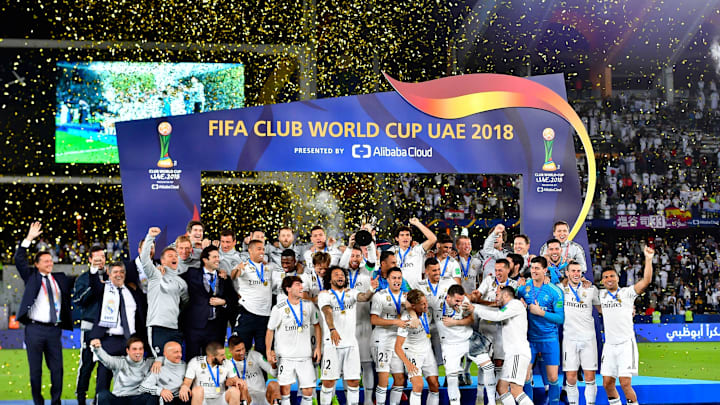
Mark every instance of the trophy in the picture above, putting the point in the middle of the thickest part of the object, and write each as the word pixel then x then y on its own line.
pixel 164 130
pixel 363 237
pixel 549 136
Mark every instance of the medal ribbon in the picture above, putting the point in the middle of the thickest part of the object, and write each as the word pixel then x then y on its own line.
pixel 298 321
pixel 244 367
pixel 425 323
pixel 216 379
pixel 443 313
pixel 341 301
pixel 403 256
pixel 577 297
pixel 55 292
pixel 353 281
pixel 434 291
pixel 396 301
pixel 447 260
pixel 466 270
pixel 614 296
pixel 261 273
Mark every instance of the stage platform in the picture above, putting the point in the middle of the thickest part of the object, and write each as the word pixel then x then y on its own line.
pixel 650 391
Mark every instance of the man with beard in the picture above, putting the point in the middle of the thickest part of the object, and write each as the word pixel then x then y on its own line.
pixel 290 267
pixel 292 324
pixel 516 266
pixel 411 258
pixel 435 289
pixel 319 244
pixel 341 354
pixel 250 366
pixel 556 263
pixel 286 240
pixel 486 294
pixel 569 250
pixel 211 379
pixel 166 293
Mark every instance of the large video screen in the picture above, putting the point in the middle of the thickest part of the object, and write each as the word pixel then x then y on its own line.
pixel 93 96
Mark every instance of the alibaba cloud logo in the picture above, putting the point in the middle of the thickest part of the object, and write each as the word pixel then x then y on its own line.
pixel 361 151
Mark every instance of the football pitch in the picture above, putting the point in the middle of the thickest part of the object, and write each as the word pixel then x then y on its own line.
pixel 76 149
pixel 696 361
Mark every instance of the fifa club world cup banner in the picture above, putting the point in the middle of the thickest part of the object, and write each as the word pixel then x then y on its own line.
pixel 479 123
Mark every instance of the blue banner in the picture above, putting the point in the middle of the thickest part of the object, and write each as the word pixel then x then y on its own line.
pixel 677 332
pixel 482 123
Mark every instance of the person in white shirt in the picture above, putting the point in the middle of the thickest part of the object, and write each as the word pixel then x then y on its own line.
pixel 253 282
pixel 209 379
pixel 249 366
pixel 413 348
pixel 313 277
pixel 620 353
pixel 493 249
pixel 449 267
pixel 341 354
pixel 435 290
pixel 579 345
pixel 319 243
pixel 513 315
pixel 386 308
pixel 292 324
pixel 470 267
pixel 290 267
pixel 410 258
pixel 454 325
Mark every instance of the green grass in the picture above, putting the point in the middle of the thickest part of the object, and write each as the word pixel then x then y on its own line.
pixel 674 360
pixel 76 149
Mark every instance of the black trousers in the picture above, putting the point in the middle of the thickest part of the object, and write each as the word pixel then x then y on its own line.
pixel 85 368
pixel 114 346
pixel 251 327
pixel 159 335
pixel 44 340
pixel 149 399
pixel 106 397
pixel 197 339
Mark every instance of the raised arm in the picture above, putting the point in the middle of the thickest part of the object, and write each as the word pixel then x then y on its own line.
pixel 429 235
pixel 111 362
pixel 641 285
pixel 21 259
pixel 150 271
pixel 498 315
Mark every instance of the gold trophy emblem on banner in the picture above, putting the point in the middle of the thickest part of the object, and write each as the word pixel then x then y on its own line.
pixel 164 130
pixel 549 136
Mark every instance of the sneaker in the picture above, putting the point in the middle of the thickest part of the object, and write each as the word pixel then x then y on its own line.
pixel 465 379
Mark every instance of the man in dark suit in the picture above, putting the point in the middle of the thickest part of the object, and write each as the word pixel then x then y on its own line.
pixel 121 314
pixel 45 311
pixel 211 304
pixel 88 305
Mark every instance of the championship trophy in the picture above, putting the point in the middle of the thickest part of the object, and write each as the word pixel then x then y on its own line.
pixel 164 130
pixel 549 136
pixel 363 237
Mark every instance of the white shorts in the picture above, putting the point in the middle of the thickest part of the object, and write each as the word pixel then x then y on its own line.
pixel 363 334
pixel 301 371
pixel 453 354
pixel 215 401
pixel 257 398
pixel 498 352
pixel 340 362
pixel 579 353
pixel 386 361
pixel 425 362
pixel 435 342
pixel 620 360
pixel 515 369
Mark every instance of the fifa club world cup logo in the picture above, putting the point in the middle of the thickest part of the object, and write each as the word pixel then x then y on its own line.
pixel 548 137
pixel 164 130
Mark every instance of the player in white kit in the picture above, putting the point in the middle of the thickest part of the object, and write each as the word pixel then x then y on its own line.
pixel 579 345
pixel 449 267
pixel 493 249
pixel 341 354
pixel 292 323
pixel 620 353
pixel 413 348
pixel 454 325
pixel 410 258
pixel 210 377
pixel 359 278
pixel 387 306
pixel 513 315
pixel 249 366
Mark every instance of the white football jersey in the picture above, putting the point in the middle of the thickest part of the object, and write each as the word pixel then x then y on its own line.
pixel 285 320
pixel 450 268
pixel 471 271
pixel 579 323
pixel 617 314
pixel 451 334
pixel 417 340
pixel 386 305
pixel 344 306
pixel 488 287
pixel 254 285
pixel 514 326
pixel 199 371
pixel 251 370
pixel 412 262
pixel 435 293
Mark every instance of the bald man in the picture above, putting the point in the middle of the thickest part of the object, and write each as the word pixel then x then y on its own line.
pixel 166 384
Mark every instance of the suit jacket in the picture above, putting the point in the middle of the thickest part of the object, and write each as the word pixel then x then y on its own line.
pixel 97 290
pixel 196 313
pixel 33 283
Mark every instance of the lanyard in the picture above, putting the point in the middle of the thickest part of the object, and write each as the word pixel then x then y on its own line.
pixel 244 367
pixel 577 297
pixel 299 321
pixel 341 301
pixel 353 280
pixel 396 301
pixel 534 294
pixel 212 281
pixel 319 281
pixel 216 379
pixel 434 292
pixel 507 282
pixel 261 273
pixel 55 290
pixel 447 260
pixel 443 313
pixel 614 296
pixel 425 323
pixel 466 270
pixel 403 256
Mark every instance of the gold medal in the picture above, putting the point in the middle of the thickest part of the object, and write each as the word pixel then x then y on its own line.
pixel 619 300
pixel 581 302
pixel 342 312
pixel 299 329
pixel 265 283
pixel 217 389
pixel 429 336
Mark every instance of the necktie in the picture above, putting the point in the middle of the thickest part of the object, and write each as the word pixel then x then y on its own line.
pixel 211 287
pixel 123 316
pixel 51 299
